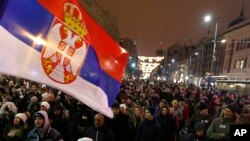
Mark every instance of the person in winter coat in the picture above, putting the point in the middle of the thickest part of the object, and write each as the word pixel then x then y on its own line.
pixel 149 129
pixel 168 124
pixel 219 128
pixel 119 124
pixel 7 114
pixel 99 132
pixel 244 117
pixel 60 123
pixel 201 116
pixel 42 130
pixel 15 131
pixel 198 134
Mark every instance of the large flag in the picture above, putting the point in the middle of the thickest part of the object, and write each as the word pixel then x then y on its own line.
pixel 57 43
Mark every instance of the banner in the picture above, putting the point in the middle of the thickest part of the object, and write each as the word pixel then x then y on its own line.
pixel 57 43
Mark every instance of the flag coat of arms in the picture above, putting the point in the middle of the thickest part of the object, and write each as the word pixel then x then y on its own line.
pixel 57 43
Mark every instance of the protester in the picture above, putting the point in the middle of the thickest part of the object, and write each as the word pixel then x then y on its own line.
pixel 201 116
pixel 99 132
pixel 119 124
pixel 219 128
pixel 15 131
pixel 42 130
pixel 168 124
pixel 149 129
pixel 60 122
pixel 244 117
pixel 198 134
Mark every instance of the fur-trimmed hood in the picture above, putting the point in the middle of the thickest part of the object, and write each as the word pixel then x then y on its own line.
pixel 11 107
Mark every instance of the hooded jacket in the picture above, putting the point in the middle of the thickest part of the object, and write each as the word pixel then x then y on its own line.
pixel 11 107
pixel 44 133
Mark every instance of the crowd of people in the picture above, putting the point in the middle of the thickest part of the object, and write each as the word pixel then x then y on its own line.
pixel 144 110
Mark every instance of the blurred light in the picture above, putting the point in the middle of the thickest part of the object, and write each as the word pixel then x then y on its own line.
pixel 223 41
pixel 207 18
pixel 196 53
pixel 134 42
pixel 36 39
pixel 172 60
pixel 133 65
pixel 39 41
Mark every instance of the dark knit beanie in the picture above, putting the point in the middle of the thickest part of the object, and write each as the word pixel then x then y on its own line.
pixel 115 106
pixel 199 126
pixel 37 114
pixel 203 106
pixel 151 110
pixel 232 108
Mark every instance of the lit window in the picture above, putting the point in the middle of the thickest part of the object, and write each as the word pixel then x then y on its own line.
pixel 238 64
pixel 241 63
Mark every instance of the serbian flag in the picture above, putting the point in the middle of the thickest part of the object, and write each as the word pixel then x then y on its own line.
pixel 55 42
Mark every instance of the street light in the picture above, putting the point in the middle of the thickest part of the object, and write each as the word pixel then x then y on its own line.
pixel 190 66
pixel 208 18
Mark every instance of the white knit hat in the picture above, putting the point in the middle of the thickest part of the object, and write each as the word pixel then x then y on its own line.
pixel 44 95
pixel 22 116
pixel 85 139
pixel 124 106
pixel 45 104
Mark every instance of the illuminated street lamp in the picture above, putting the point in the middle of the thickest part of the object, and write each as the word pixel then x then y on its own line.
pixel 190 66
pixel 208 18
pixel 223 41
pixel 133 65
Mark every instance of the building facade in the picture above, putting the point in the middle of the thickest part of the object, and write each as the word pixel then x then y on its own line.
pixel 180 62
pixel 104 18
pixel 207 65
pixel 236 62
pixel 132 66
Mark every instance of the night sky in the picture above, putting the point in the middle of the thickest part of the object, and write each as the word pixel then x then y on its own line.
pixel 157 24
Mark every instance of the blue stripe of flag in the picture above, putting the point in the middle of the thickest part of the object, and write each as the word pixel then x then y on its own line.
pixel 29 16
pixel 92 72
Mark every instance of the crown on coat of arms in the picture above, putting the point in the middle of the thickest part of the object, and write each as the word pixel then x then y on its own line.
pixel 73 19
